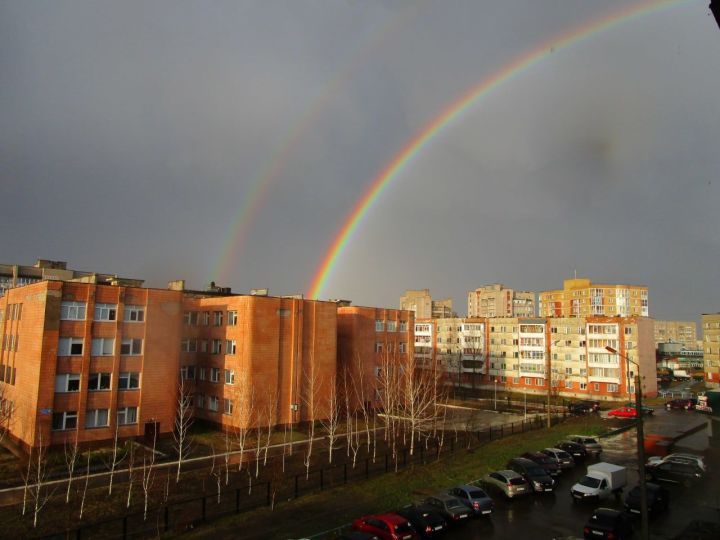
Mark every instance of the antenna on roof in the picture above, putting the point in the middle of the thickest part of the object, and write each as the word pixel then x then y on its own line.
pixel 575 271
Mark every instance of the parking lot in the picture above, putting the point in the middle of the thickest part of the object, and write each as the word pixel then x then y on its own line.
pixel 555 515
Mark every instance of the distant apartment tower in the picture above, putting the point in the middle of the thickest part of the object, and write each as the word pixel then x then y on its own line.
pixel 421 303
pixel 684 332
pixel 711 346
pixel 496 300
pixel 582 298
pixel 18 275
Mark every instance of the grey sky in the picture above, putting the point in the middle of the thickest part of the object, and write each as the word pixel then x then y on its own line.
pixel 132 132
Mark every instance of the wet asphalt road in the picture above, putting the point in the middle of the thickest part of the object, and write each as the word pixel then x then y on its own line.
pixel 553 515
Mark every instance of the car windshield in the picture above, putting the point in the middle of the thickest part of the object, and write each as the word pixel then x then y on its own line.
pixel 536 471
pixel 589 440
pixel 517 481
pixel 455 504
pixel 562 455
pixel 478 494
pixel 590 482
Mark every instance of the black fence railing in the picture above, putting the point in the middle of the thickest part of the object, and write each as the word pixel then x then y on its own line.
pixel 180 516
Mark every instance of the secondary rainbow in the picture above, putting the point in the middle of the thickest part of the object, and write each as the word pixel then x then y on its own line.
pixel 452 112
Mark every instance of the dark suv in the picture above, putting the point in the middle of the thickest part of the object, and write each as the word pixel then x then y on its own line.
pixel 533 473
pixel 680 471
pixel 551 467
pixel 583 407
pixel 657 499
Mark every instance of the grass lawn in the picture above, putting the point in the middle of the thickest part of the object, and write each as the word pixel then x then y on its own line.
pixel 334 508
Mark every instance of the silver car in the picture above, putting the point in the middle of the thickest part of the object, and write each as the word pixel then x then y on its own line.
pixel 560 457
pixel 509 482
pixel 591 444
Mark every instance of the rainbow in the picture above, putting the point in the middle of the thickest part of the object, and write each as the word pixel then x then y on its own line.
pixel 454 111
pixel 256 196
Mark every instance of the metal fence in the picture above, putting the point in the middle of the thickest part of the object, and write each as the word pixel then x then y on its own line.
pixel 185 515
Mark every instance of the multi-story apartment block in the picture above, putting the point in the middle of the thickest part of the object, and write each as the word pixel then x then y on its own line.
pixel 87 360
pixel 711 347
pixel 684 332
pixel 421 303
pixel 16 275
pixel 523 354
pixel 368 338
pixel 581 298
pixel 498 301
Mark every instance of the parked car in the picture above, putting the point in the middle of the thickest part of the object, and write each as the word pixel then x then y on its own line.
pixel 563 459
pixel 623 412
pixel 357 535
pixel 608 523
pixel 387 526
pixel 510 483
pixel 450 508
pixel 591 444
pixel 676 404
pixel 583 407
pixel 577 451
pixel 550 466
pixel 474 498
pixel 533 473
pixel 658 499
pixel 426 520
pixel 681 457
pixel 685 472
pixel 647 411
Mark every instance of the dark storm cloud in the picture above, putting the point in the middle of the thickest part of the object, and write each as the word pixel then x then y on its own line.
pixel 133 132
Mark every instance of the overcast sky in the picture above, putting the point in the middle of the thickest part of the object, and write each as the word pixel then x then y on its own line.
pixel 131 133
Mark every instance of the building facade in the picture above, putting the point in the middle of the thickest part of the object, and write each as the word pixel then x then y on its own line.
pixel 711 347
pixel 582 298
pixel 420 302
pixel 683 332
pixel 496 300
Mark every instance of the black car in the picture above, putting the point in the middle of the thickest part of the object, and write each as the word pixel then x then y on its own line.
pixel 657 499
pixel 685 472
pixel 550 465
pixel 577 451
pixel 608 523
pixel 425 519
pixel 583 407
pixel 533 473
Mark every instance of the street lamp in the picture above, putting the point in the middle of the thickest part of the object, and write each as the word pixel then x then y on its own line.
pixel 640 441
pixel 495 381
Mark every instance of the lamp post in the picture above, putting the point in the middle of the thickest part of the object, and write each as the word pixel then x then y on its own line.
pixel 640 442
pixel 495 381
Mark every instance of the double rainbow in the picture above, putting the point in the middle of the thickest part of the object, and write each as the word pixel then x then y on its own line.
pixel 454 111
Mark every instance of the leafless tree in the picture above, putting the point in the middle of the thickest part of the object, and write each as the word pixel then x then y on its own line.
pixel 419 402
pixel 183 423
pixel 35 482
pixel 312 385
pixel 72 449
pixel 216 473
pixel 357 377
pixel 85 486
pixel 131 472
pixel 244 413
pixel 270 419
pixel 6 413
pixel 115 459
pixel 226 456
pixel 148 464
pixel 331 420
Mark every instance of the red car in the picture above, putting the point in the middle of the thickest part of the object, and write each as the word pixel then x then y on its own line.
pixel 386 526
pixel 624 412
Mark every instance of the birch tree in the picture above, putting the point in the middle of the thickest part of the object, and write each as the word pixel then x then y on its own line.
pixel 85 486
pixel 148 464
pixel 71 455
pixel 331 420
pixel 310 399
pixel 36 480
pixel 131 472
pixel 183 423
pixel 115 459
pixel 244 415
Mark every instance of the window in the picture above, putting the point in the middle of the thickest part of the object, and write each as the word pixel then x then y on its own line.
pixel 379 325
pixel 105 312
pixel 215 375
pixel 568 371
pixel 217 319
pixel 67 382
pixel 129 381
pixel 227 406
pixel 188 345
pixel 583 386
pixel 528 381
pixel 392 326
pixel 203 374
pixel 229 376
pixel 612 387
pixel 70 346
pixel 568 384
pixel 378 347
pixel 72 311
pixel 596 387
pixel 230 346
pixel 203 346
pixel 99 381
pixel 232 318
pixel 206 318
pixel 187 372
pixel 131 347
pixel 403 347
pixel 516 380
pixel 216 346
pixel 96 418
pixel 64 420
pixel 127 415
pixel 102 347
pixel 403 326
pixel 134 313
pixel 212 404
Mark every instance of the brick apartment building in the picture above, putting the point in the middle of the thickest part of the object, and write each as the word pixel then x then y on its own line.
pixel 580 297
pixel 518 354
pixel 496 300
pixel 81 359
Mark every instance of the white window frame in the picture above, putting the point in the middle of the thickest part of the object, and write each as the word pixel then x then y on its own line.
pixel 98 380
pixel 229 376
pixel 232 318
pixel 217 318
pixel 227 406
pixel 403 326
pixel 214 375
pixel 230 346
pixel 212 403
pixel 105 312
pixel 392 326
pixel 93 417
pixel 102 347
pixel 65 345
pixel 67 415
pixel 124 412
pixel 62 382
pixel 128 377
pixel 73 311
pixel 199 401
pixel 134 313
pixel 135 346
pixel 217 346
